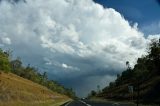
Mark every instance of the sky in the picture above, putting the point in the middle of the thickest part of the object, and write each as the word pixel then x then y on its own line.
pixel 79 43
pixel 144 12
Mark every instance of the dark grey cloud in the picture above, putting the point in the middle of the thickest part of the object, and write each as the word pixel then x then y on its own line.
pixel 13 1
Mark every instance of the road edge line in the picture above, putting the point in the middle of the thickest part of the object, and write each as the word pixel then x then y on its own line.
pixel 85 103
pixel 68 103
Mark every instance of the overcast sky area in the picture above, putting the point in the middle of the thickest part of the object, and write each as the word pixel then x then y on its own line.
pixel 80 43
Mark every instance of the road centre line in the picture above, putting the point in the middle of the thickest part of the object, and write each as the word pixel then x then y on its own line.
pixel 68 103
pixel 85 103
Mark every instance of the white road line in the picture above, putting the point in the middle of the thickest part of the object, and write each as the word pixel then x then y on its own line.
pixel 85 103
pixel 67 103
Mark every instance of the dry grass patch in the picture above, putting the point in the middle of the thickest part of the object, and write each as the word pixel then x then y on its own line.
pixel 17 91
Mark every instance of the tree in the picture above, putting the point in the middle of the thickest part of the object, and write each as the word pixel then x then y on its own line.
pixel 154 54
pixel 4 61
pixel 144 76
pixel 16 66
pixel 93 93
pixel 31 73
pixel 128 65
pixel 98 89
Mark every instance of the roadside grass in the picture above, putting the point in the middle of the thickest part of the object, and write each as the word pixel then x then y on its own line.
pixel 17 91
pixel 96 99
pixel 44 103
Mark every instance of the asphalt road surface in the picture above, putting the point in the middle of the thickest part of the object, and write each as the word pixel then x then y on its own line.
pixel 92 103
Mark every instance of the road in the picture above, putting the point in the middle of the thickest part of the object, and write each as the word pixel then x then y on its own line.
pixel 92 103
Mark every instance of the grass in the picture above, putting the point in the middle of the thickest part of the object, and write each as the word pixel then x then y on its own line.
pixel 96 99
pixel 17 91
pixel 121 94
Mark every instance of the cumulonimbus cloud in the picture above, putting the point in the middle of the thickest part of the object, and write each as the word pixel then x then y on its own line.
pixel 61 35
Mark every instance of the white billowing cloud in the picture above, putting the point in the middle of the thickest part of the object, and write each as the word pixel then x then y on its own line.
pixel 5 40
pixel 77 35
pixel 65 66
pixel 152 37
pixel 60 65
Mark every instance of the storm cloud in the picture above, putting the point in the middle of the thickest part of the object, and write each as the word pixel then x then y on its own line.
pixel 77 42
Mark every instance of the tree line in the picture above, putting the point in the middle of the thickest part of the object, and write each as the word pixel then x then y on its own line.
pixel 16 66
pixel 144 78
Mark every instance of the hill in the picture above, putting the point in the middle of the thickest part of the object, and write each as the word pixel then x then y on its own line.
pixel 17 91
pixel 140 83
pixel 15 66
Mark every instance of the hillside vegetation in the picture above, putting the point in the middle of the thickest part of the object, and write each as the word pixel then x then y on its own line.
pixel 144 77
pixel 15 66
pixel 17 91
pixel 16 87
